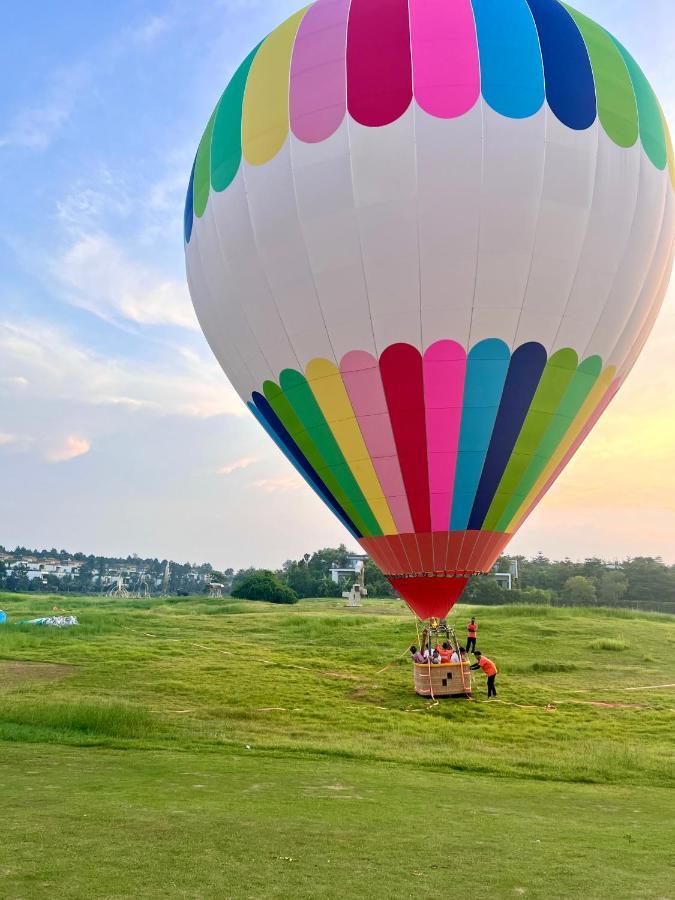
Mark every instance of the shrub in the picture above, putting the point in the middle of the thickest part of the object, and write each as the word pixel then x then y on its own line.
pixel 264 585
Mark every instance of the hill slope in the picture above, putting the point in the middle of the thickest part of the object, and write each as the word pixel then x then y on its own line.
pixel 295 732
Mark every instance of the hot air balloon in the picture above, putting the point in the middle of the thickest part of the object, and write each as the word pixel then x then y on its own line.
pixel 427 241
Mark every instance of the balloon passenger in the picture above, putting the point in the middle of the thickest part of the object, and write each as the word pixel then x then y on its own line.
pixel 490 669
pixel 471 633
pixel 436 658
pixel 417 657
pixel 445 652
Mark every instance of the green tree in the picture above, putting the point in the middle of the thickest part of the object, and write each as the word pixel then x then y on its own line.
pixel 264 585
pixel 300 579
pixel 613 587
pixel 650 583
pixel 18 579
pixel 376 584
pixel 579 591
pixel 485 590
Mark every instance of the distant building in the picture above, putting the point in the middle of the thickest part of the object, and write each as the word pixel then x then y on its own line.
pixel 132 574
pixel 507 578
pixel 355 563
pixel 40 568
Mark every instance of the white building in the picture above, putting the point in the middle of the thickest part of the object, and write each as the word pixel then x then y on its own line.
pixel 40 568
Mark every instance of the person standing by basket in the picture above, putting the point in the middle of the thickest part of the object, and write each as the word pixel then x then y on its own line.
pixel 490 669
pixel 471 634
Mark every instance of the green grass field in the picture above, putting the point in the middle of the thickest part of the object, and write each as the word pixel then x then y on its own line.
pixel 206 749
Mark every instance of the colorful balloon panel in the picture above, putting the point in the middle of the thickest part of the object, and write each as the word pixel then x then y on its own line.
pixel 427 242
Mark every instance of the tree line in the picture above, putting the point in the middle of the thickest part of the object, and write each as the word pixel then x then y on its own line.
pixel 638 583
pixel 645 583
pixel 642 582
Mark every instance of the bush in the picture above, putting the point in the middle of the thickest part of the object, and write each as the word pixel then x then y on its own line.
pixel 264 585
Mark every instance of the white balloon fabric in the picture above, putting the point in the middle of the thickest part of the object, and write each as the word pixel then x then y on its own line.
pixel 426 241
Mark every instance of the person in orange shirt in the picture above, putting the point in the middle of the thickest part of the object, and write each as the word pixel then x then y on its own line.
pixel 471 633
pixel 490 669
pixel 445 652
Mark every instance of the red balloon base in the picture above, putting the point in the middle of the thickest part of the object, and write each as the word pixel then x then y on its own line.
pixel 428 596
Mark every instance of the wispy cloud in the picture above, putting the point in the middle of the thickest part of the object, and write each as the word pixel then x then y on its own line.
pixel 58 367
pixel 89 202
pixel 35 127
pixel 238 464
pixel 281 485
pixel 148 32
pixel 96 274
pixel 68 448
pixel 16 442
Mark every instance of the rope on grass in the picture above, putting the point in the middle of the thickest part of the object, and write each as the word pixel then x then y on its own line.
pixel 549 707
pixel 389 665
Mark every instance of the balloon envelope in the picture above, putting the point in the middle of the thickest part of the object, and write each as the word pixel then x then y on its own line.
pixel 427 242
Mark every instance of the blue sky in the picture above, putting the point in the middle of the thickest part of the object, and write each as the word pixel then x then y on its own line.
pixel 118 431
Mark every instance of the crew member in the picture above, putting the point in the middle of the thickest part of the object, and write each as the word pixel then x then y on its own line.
pixel 471 632
pixel 490 669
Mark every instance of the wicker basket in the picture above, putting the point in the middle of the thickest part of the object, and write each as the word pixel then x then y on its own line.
pixel 444 680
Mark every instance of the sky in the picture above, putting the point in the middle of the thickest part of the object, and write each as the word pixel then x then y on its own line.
pixel 119 433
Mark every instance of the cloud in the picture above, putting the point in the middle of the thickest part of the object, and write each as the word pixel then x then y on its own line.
pixel 151 29
pixel 36 127
pixel 85 204
pixel 282 485
pixel 15 380
pixel 98 276
pixel 16 442
pixel 69 448
pixel 242 463
pixel 183 382
pixel 167 194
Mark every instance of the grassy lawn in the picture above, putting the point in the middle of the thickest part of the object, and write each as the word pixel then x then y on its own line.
pixel 229 749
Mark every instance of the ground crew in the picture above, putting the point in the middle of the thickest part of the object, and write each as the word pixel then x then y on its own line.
pixel 490 669
pixel 471 632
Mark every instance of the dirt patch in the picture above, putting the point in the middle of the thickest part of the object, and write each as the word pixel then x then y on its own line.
pixel 16 672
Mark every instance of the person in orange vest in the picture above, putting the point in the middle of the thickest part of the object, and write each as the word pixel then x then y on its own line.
pixel 471 632
pixel 490 669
